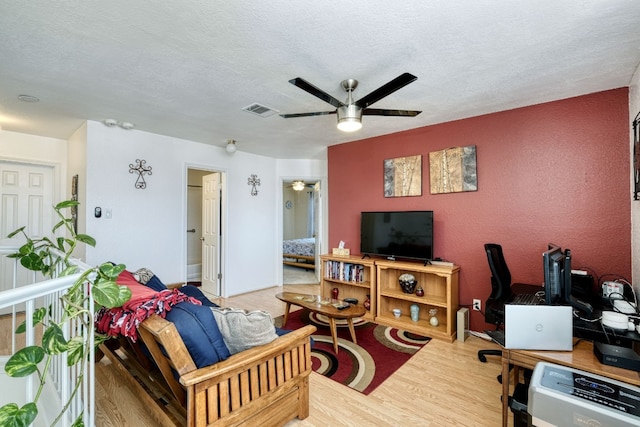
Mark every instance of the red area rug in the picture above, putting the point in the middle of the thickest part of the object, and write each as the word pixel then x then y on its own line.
pixel 380 351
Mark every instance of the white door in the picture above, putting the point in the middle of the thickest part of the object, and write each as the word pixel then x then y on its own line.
pixel 26 197
pixel 211 233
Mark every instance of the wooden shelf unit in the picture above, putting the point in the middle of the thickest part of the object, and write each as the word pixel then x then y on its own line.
pixel 440 285
pixel 332 275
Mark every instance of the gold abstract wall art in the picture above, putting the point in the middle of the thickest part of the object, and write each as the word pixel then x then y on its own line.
pixel 453 170
pixel 403 176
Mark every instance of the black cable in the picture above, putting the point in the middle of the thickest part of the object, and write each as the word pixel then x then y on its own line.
pixel 605 333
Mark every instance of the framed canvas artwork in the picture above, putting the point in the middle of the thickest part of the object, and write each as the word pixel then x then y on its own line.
pixel 453 170
pixel 403 176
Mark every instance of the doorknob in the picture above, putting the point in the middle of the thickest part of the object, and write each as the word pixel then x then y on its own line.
pixel 202 239
pixel 193 230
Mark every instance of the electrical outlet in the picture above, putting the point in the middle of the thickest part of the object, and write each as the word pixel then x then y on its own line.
pixel 477 305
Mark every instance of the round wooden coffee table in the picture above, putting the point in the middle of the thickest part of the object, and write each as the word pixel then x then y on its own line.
pixel 325 306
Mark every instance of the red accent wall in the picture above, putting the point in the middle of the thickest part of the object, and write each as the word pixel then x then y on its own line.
pixel 555 172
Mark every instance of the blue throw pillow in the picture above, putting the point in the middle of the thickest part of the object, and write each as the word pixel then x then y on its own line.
pixel 195 292
pixel 199 332
pixel 156 284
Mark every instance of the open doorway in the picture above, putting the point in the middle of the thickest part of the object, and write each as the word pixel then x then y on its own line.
pixel 301 234
pixel 203 230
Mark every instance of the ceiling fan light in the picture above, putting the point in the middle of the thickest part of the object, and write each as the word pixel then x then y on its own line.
pixel 349 118
pixel 349 125
pixel 298 185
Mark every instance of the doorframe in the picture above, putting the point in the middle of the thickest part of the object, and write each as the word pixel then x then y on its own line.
pixel 223 218
pixel 322 220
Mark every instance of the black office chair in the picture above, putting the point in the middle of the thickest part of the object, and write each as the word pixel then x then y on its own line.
pixel 501 291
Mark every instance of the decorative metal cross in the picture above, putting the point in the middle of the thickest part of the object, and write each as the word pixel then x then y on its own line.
pixel 141 170
pixel 253 181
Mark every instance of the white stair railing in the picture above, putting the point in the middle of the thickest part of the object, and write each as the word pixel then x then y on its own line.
pixel 18 302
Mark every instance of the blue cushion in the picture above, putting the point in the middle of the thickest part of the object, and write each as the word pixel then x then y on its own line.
pixel 280 332
pixel 199 331
pixel 195 292
pixel 156 284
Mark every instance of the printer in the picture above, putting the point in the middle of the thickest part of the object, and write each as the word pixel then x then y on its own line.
pixel 562 396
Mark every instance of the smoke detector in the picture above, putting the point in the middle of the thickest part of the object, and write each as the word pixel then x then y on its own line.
pixel 110 122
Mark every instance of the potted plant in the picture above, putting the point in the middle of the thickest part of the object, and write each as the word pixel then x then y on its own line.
pixel 46 255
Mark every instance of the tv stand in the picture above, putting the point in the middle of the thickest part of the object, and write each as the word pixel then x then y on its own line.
pixel 378 282
pixel 440 286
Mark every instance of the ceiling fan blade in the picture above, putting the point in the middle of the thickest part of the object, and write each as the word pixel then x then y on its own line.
pixel 384 112
pixel 317 113
pixel 387 89
pixel 319 93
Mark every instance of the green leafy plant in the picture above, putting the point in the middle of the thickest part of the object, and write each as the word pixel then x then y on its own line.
pixel 48 255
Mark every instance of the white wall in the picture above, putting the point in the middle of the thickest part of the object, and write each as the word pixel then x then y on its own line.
pixel 21 146
pixel 147 228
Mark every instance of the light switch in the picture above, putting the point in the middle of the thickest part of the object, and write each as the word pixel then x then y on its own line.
pixel 107 213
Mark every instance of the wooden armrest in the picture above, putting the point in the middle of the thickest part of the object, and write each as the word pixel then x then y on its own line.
pixel 250 357
pixel 264 384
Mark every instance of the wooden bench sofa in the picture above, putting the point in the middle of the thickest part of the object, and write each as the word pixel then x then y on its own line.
pixel 266 385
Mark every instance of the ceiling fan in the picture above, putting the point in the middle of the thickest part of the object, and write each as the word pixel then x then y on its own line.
pixel 299 185
pixel 350 112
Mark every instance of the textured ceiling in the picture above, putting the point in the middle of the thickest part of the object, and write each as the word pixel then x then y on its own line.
pixel 187 68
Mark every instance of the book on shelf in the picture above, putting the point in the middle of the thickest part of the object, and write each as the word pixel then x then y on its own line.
pixel 344 271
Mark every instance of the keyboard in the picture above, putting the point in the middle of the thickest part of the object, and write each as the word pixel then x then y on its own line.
pixel 496 336
pixel 526 299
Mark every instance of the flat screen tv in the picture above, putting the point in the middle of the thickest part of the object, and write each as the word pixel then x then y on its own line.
pixel 401 234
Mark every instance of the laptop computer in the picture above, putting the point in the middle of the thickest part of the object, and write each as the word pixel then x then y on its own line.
pixel 538 327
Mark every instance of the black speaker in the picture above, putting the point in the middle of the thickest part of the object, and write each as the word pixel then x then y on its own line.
pixel 582 287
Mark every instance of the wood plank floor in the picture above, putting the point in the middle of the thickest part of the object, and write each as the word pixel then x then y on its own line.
pixel 442 385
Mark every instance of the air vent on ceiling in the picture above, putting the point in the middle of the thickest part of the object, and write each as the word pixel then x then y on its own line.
pixel 260 110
